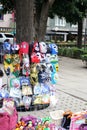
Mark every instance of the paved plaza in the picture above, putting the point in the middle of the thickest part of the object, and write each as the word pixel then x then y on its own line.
pixel 71 90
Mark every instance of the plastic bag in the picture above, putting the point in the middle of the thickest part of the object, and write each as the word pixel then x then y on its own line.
pixel 8 115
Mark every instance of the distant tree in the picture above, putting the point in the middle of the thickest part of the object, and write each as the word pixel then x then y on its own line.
pixel 74 12
pixel 8 5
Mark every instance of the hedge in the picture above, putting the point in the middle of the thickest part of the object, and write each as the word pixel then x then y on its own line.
pixel 73 52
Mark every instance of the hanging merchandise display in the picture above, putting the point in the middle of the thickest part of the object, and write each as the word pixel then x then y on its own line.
pixel 35 55
pixel 35 70
pixel 43 47
pixel 11 57
pixel 33 74
pixel 15 48
pixel 4 93
pixel 25 86
pixel 7 47
pixel 15 88
pixel 24 48
pixel 46 71
pixel 25 65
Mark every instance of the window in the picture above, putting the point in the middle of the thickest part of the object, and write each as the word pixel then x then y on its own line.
pixel 9 35
pixel 62 22
pixel 1 17
pixel 1 36
pixel 56 21
pixel 59 22
pixel 74 25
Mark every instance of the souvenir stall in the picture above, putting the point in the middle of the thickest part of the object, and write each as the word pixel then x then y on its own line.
pixel 34 73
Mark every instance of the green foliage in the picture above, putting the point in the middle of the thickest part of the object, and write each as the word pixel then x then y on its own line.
pixel 72 10
pixel 72 52
pixel 8 5
pixel 69 52
pixel 67 44
pixel 84 57
pixel 60 51
pixel 77 52
pixel 85 51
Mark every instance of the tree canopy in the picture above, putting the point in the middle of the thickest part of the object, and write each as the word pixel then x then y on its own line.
pixel 8 5
pixel 77 8
pixel 73 10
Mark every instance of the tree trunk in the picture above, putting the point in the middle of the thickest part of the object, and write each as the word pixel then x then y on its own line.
pixel 80 28
pixel 43 21
pixel 43 16
pixel 24 20
pixel 36 22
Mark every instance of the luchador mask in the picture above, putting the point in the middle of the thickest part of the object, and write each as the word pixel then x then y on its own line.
pixel 43 47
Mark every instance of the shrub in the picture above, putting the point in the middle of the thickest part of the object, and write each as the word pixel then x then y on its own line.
pixel 72 52
pixel 64 51
pixel 85 51
pixel 69 52
pixel 84 57
pixel 77 52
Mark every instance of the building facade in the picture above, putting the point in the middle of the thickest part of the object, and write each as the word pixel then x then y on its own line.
pixel 6 22
pixel 57 29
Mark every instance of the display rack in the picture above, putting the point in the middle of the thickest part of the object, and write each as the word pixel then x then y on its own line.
pixel 34 73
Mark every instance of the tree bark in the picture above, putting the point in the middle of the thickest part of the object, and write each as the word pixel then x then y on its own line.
pixel 41 19
pixel 36 22
pixel 24 20
pixel 80 28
